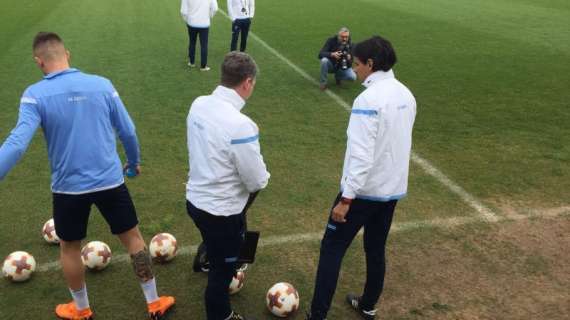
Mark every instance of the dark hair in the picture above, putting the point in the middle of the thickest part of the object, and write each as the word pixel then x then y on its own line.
pixel 237 67
pixel 45 37
pixel 379 50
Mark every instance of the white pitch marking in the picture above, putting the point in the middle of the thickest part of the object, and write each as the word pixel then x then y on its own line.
pixel 54 265
pixel 313 236
pixel 454 187
pixel 423 163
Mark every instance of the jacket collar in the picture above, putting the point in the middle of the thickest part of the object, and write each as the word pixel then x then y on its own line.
pixel 57 73
pixel 378 76
pixel 229 95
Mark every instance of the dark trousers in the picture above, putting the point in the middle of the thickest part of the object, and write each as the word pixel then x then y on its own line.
pixel 240 25
pixel 376 218
pixel 193 35
pixel 223 237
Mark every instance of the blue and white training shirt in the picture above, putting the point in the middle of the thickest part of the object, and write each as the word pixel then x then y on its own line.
pixel 79 114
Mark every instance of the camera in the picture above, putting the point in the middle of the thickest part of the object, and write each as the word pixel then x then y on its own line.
pixel 343 63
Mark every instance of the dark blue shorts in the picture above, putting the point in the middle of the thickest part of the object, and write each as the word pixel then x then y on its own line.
pixel 71 212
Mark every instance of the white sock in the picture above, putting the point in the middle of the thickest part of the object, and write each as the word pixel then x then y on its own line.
pixel 80 298
pixel 149 290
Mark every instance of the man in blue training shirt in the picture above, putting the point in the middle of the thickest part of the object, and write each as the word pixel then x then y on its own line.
pixel 79 114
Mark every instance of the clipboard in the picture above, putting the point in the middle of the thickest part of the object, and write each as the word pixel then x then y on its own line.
pixel 248 247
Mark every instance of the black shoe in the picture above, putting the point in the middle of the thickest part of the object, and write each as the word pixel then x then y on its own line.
pixel 201 263
pixel 354 302
pixel 309 317
pixel 237 316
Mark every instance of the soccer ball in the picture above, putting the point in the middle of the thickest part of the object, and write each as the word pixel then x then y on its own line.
pixel 96 255
pixel 163 247
pixel 237 282
pixel 48 231
pixel 282 299
pixel 18 266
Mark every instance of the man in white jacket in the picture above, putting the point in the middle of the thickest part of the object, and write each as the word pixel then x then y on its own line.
pixel 197 15
pixel 226 172
pixel 241 12
pixel 375 177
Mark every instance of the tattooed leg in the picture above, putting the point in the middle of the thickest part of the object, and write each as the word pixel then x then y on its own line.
pixel 142 265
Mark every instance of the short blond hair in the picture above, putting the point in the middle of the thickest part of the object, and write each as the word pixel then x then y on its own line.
pixel 48 46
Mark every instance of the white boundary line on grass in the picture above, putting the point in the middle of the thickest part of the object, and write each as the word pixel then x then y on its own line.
pixel 314 236
pixel 483 210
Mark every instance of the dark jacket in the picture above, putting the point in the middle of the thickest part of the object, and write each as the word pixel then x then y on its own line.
pixel 333 45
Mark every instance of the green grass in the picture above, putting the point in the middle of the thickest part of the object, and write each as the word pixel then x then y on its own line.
pixel 491 79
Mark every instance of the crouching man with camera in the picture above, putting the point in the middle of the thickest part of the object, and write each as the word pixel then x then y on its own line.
pixel 336 57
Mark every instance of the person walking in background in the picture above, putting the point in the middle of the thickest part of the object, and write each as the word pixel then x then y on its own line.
pixel 198 14
pixel 241 13
pixel 79 114
pixel 374 178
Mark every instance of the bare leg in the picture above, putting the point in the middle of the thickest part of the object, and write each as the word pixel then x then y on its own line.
pixel 74 273
pixel 132 240
pixel 73 269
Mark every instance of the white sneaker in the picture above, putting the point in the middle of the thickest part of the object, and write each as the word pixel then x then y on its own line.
pixel 191 65
pixel 206 68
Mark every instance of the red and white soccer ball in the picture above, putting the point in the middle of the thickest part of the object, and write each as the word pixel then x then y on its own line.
pixel 237 282
pixel 163 247
pixel 282 299
pixel 48 231
pixel 19 266
pixel 96 255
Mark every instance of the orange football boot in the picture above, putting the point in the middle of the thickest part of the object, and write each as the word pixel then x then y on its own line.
pixel 157 309
pixel 68 311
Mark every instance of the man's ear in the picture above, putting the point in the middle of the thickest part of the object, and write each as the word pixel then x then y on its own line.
pixel 39 62
pixel 248 83
pixel 370 63
pixel 243 84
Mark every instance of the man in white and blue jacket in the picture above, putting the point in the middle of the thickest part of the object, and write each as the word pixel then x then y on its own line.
pixel 79 114
pixel 241 13
pixel 198 15
pixel 226 172
pixel 375 177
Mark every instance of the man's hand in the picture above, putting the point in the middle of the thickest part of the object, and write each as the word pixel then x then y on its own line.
pixel 339 212
pixel 130 171
pixel 336 55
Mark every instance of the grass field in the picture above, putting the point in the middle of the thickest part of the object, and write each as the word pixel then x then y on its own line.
pixel 492 139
